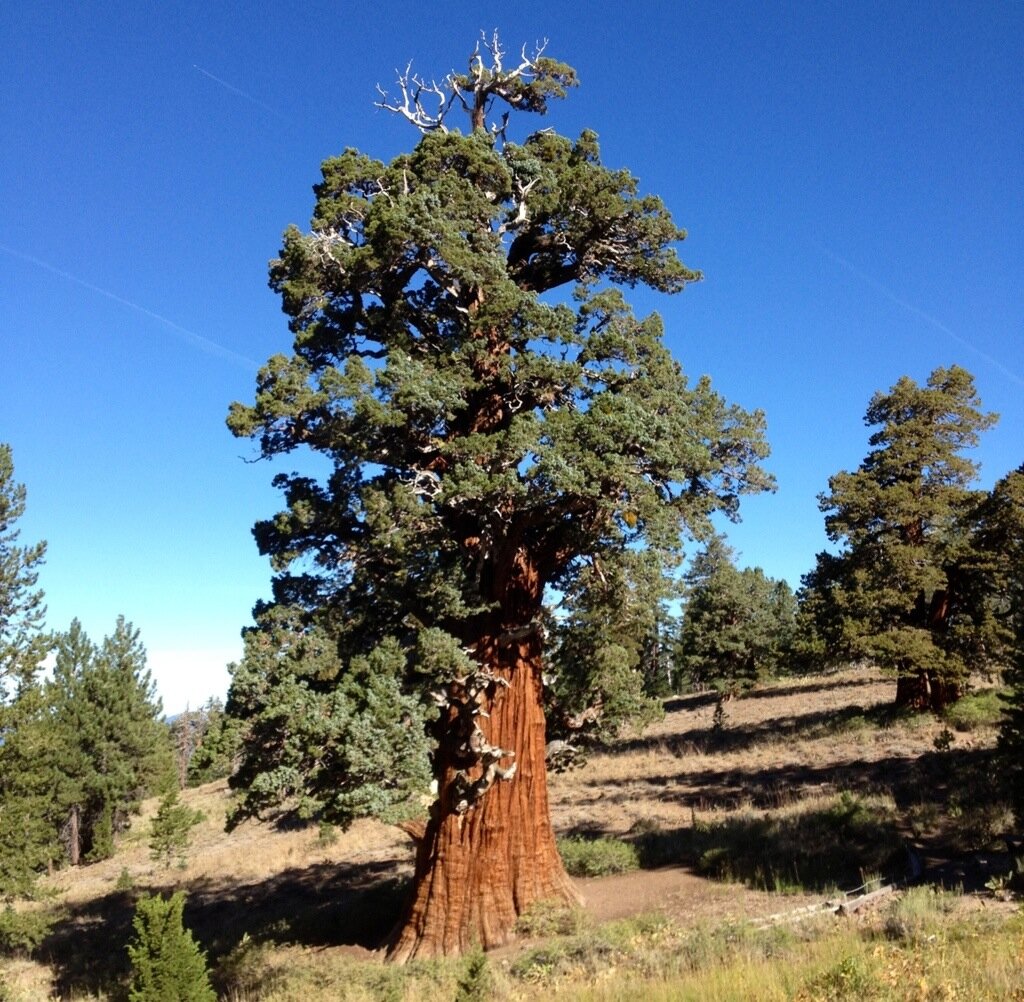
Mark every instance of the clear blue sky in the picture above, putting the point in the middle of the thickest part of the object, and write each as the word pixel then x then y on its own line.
pixel 851 176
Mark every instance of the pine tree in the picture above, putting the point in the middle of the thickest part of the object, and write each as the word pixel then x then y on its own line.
pixel 1001 535
pixel 896 594
pixel 603 647
pixel 23 645
pixel 109 747
pixel 167 963
pixel 171 829
pixel 26 840
pixel 489 439
pixel 737 624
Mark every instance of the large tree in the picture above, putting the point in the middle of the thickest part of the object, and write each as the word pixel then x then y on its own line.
pixel 486 440
pixel 900 590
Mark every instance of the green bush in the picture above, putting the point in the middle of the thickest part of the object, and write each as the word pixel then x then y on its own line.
pixel 981 709
pixel 598 857
pixel 21 933
pixel 475 981
pixel 167 964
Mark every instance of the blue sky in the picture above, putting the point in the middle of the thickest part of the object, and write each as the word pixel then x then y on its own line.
pixel 851 176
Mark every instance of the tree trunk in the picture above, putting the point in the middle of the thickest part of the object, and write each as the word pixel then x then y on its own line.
pixel 478 871
pixel 74 837
pixel 912 691
pixel 942 692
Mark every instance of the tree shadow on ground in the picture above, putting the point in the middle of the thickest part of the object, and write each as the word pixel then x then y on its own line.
pixel 700 700
pixel 810 688
pixel 740 737
pixel 932 777
pixel 834 846
pixel 324 904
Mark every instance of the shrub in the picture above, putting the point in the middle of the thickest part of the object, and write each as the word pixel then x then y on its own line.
pixel 21 933
pixel 916 914
pixel 475 982
pixel 167 964
pixel 980 709
pixel 599 857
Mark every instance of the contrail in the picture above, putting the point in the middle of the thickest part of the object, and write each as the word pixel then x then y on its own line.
pixel 240 93
pixel 926 317
pixel 191 337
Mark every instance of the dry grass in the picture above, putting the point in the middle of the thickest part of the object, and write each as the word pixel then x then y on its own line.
pixel 312 907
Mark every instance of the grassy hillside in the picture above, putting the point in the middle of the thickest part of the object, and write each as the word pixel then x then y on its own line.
pixel 732 835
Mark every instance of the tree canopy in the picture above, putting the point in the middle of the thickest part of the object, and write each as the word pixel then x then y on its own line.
pixel 897 592
pixel 489 439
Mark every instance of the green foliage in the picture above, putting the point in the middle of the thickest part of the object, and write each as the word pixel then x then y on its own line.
pixel 475 982
pixel 110 747
pixel 1003 536
pixel 22 642
pixel 167 964
pixel 497 424
pixel 975 711
pixel 82 751
pixel 597 857
pixel 903 590
pixel 22 932
pixel 737 624
pixel 171 830
pixel 26 842
pixel 608 648
pixel 206 745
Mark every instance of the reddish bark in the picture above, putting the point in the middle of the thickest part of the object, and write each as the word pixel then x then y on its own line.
pixel 912 691
pixel 478 871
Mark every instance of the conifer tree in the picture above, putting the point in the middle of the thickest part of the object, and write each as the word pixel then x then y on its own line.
pixel 896 594
pixel 737 624
pixel 497 422
pixel 26 840
pixel 23 644
pixel 171 829
pixel 167 963
pixel 110 749
pixel 1002 538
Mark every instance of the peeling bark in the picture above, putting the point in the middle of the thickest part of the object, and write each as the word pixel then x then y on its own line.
pixel 479 869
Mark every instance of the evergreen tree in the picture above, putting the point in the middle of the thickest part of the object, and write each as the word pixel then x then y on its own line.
pixel 23 645
pixel 1002 538
pixel 167 963
pixel 205 743
pixel 488 439
pixel 605 643
pixel 216 754
pixel 110 748
pixel 737 624
pixel 171 829
pixel 896 593
pixel 26 842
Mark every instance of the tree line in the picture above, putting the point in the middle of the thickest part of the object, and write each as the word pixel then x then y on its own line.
pixel 83 739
